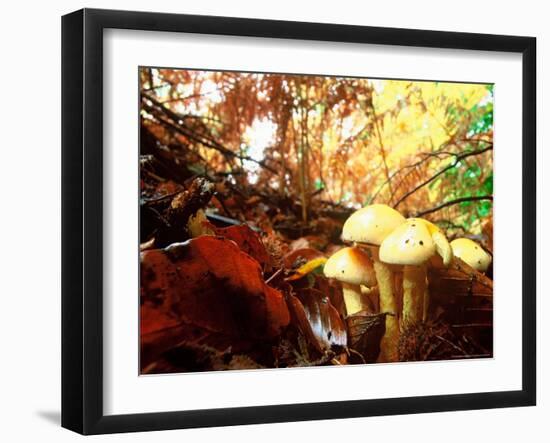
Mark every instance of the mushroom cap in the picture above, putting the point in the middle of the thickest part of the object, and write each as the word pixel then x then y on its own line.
pixel 471 253
pixel 409 244
pixel 442 245
pixel 351 265
pixel 371 224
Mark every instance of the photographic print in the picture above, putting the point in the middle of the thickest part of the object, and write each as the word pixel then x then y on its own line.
pixel 293 220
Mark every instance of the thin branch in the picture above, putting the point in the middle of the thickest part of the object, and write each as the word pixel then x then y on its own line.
pixel 458 348
pixel 442 171
pixel 201 117
pixel 454 202
pixel 188 97
pixel 150 76
pixel 162 85
pixel 159 108
pixel 426 156
pixel 382 150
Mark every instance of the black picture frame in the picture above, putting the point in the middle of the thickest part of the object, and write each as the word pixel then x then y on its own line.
pixel 82 218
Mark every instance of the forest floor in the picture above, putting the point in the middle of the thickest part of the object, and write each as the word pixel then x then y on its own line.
pixel 232 278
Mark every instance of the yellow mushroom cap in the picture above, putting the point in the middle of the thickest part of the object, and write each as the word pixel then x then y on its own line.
pixel 351 265
pixel 471 253
pixel 442 245
pixel 409 244
pixel 371 224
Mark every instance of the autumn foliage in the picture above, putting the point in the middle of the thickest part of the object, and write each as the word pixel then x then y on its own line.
pixel 246 180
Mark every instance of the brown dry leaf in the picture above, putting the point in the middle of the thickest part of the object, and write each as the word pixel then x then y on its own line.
pixel 323 324
pixel 365 332
pixel 487 229
pixel 458 280
pixel 248 241
pixel 167 188
pixel 207 285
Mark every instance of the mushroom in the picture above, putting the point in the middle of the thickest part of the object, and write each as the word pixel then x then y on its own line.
pixel 442 246
pixel 353 268
pixel 471 253
pixel 371 225
pixel 411 245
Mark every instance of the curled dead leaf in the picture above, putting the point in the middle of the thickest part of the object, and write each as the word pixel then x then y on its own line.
pixel 318 320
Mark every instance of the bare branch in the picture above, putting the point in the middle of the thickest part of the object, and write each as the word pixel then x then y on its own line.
pixel 454 202
pixel 425 157
pixel 173 120
pixel 442 171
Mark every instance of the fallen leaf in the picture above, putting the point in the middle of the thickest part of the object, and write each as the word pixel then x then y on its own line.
pixel 365 332
pixel 308 267
pixel 320 322
pixel 207 286
pixel 248 241
pixel 458 280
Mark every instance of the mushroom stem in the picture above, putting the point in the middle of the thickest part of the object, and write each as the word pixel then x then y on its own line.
pixel 415 290
pixel 389 342
pixel 352 298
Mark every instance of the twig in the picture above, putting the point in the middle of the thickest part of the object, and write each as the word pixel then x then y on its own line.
pixel 221 199
pixel 426 156
pixel 382 150
pixel 442 171
pixel 353 351
pixel 152 201
pixel 471 356
pixel 453 202
pixel 157 108
pixel 458 348
pixel 473 325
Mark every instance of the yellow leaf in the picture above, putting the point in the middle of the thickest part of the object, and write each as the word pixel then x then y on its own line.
pixel 305 269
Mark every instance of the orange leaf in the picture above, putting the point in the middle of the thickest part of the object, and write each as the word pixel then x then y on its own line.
pixel 210 283
pixel 248 240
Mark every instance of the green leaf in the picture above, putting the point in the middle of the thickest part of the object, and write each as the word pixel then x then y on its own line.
pixel 487 185
pixel 485 121
pixel 484 208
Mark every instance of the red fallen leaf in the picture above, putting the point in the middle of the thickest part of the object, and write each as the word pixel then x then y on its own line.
pixel 248 240
pixel 318 320
pixel 208 282
pixel 154 344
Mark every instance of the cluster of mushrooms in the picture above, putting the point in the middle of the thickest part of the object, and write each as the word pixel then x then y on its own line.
pixel 383 242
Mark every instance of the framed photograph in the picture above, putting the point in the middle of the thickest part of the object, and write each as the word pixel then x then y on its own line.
pixel 269 221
